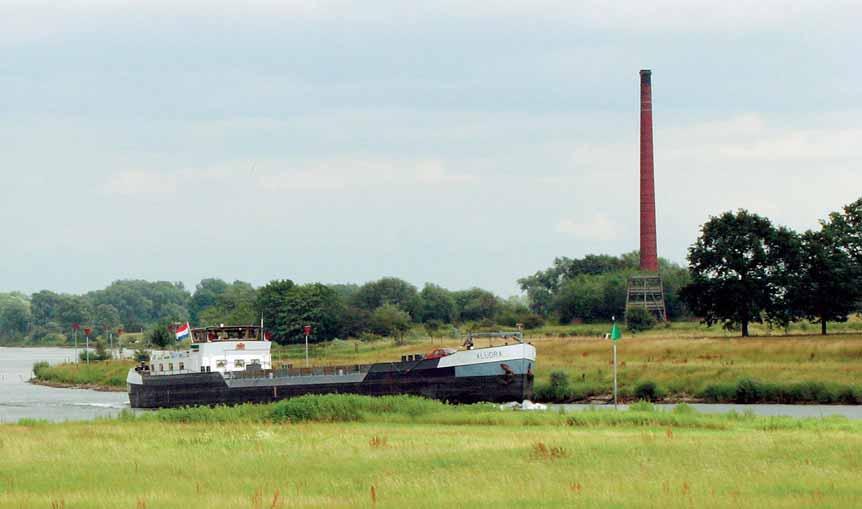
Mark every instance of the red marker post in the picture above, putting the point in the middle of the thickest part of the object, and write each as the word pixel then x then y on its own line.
pixel 307 331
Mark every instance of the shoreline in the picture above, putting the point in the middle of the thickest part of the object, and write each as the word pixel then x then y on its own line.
pixel 64 385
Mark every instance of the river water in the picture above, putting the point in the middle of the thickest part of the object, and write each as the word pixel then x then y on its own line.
pixel 19 399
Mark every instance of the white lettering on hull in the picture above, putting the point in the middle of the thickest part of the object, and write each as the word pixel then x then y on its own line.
pixel 493 354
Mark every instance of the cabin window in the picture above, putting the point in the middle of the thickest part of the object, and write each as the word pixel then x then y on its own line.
pixel 220 363
pixel 239 363
pixel 182 366
pixel 161 367
pixel 254 361
pixel 208 369
pixel 202 369
pixel 170 366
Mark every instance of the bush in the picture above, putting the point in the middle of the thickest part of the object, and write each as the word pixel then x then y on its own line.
pixel 38 367
pixel 639 319
pixel 350 407
pixel 748 391
pixel 648 391
pixel 719 393
pixel 642 406
pixel 99 354
pixel 559 386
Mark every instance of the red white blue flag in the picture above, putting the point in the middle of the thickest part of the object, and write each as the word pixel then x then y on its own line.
pixel 183 331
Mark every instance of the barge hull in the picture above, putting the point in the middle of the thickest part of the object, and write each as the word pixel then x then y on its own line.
pixel 212 389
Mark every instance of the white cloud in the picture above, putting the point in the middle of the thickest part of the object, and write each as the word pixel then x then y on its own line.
pixel 34 19
pixel 131 183
pixel 435 173
pixel 599 227
pixel 301 181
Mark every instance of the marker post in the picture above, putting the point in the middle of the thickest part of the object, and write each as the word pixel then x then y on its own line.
pixel 307 331
pixel 615 335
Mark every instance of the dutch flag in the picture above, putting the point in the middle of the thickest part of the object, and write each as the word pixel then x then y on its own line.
pixel 183 331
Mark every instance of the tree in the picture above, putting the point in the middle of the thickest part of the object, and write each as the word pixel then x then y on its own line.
pixel 313 304
pixel 390 320
pixel 388 290
pixel 160 336
pixel 436 304
pixel 270 300
pixel 106 317
pixel 236 304
pixel 579 298
pixel 475 304
pixel 825 288
pixel 14 315
pixel 551 290
pixel 847 226
pixel 206 295
pixel 741 267
pixel 144 303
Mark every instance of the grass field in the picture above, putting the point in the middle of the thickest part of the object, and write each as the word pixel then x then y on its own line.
pixel 431 455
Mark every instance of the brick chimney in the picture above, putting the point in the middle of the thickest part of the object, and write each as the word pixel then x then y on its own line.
pixel 648 250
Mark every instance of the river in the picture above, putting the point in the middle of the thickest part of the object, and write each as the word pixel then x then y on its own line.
pixel 19 399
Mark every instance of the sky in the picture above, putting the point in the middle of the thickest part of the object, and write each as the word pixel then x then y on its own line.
pixel 465 143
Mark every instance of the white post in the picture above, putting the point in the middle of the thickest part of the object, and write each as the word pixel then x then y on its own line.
pixel 615 374
pixel 76 346
pixel 306 350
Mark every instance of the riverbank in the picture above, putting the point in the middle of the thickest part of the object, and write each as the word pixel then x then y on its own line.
pixel 93 387
pixel 403 452
pixel 98 375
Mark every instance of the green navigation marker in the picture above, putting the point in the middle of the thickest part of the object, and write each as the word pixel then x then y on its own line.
pixel 615 332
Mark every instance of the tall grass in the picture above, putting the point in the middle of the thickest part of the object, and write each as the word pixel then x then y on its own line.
pixel 465 456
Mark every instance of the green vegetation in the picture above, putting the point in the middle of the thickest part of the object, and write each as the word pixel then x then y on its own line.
pixel 745 270
pixel 97 374
pixel 408 452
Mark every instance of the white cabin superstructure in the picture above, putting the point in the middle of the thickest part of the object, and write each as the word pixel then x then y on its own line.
pixel 228 350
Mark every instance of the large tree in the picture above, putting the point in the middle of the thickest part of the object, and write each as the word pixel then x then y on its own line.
pixel 827 287
pixel 236 305
pixel 313 304
pixel 15 315
pixel 475 304
pixel 206 295
pixel 741 271
pixel 144 303
pixel 436 304
pixel 270 299
pixel 388 290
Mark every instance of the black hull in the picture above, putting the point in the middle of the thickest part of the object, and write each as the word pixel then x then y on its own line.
pixel 212 389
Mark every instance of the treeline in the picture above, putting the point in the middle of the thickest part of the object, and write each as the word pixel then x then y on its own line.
pixel 744 269
pixel 593 288
pixel 386 307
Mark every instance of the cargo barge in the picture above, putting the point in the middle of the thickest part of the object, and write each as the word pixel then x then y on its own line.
pixel 233 365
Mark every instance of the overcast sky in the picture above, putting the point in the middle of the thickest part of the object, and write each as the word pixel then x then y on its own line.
pixel 462 143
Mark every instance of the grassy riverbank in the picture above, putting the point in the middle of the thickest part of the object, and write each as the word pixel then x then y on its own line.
pixel 793 368
pixel 404 452
pixel 102 375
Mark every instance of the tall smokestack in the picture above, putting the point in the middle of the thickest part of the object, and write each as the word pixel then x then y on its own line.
pixel 648 250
